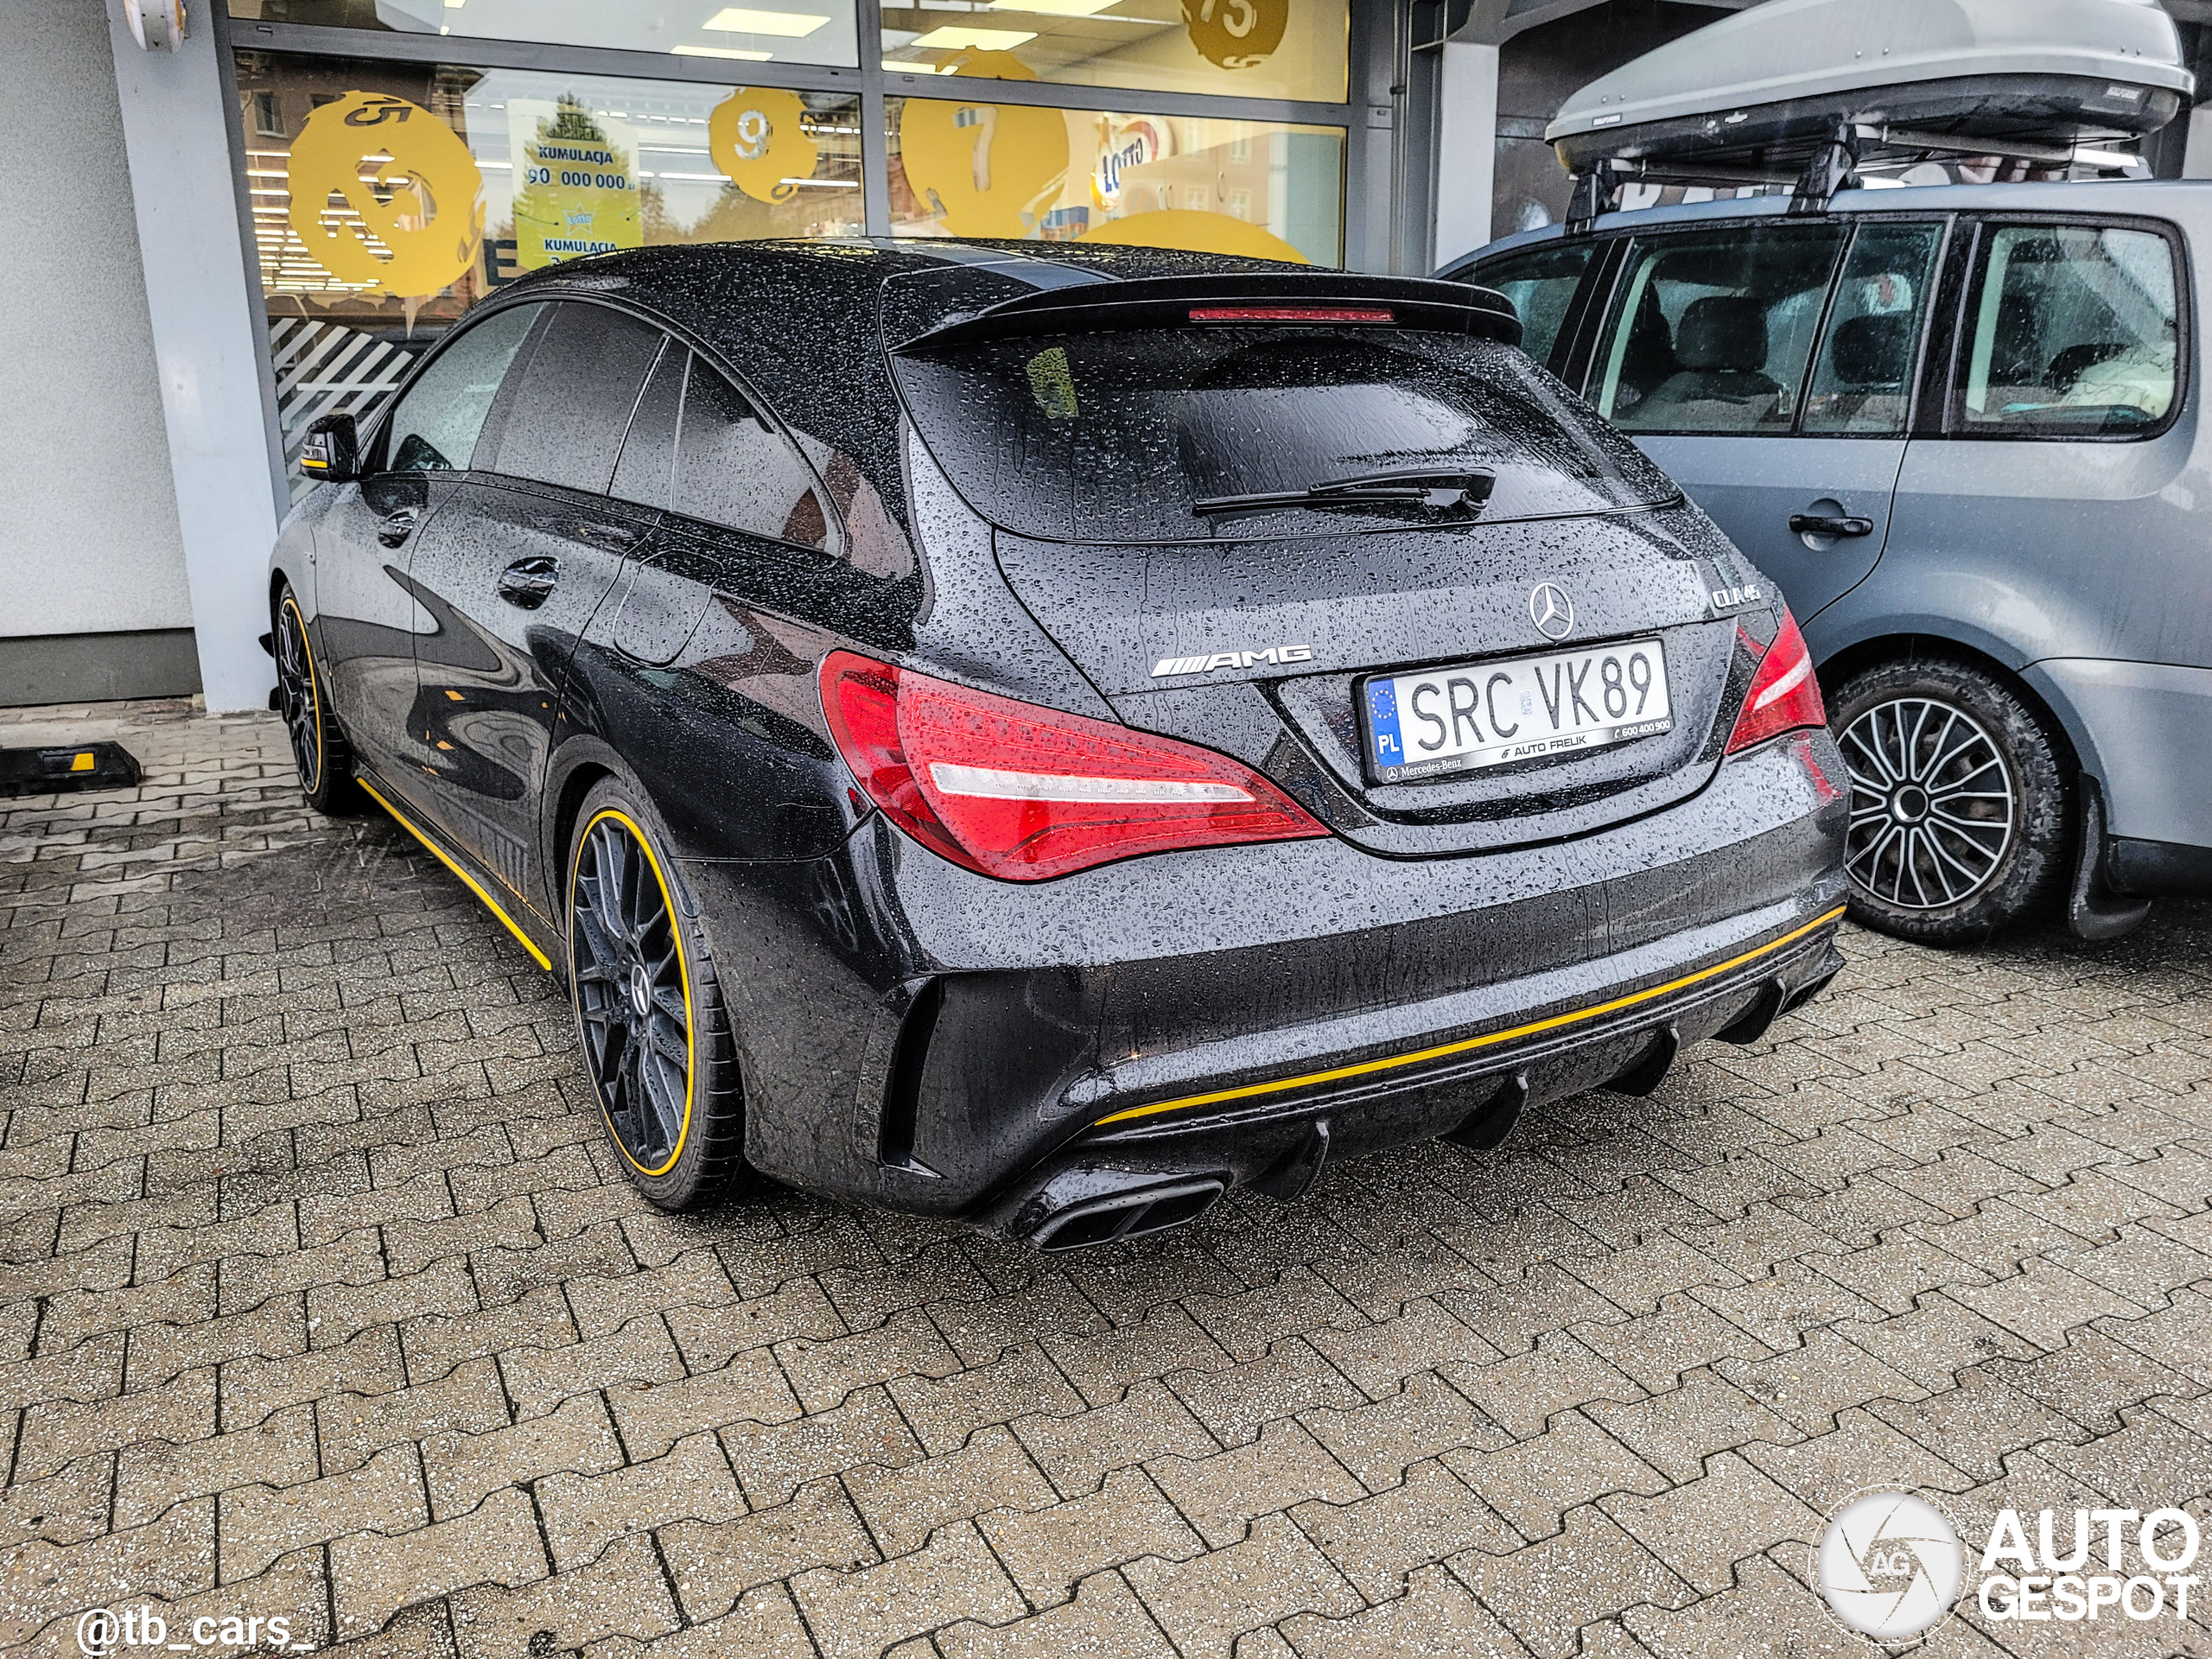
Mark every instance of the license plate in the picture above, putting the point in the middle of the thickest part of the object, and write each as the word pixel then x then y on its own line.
pixel 1514 708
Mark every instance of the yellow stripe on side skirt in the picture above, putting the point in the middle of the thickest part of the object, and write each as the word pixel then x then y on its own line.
pixel 438 852
pixel 1469 1044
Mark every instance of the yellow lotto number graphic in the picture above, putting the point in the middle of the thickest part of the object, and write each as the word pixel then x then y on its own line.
pixel 987 169
pixel 421 208
pixel 755 138
pixel 1236 33
pixel 1195 232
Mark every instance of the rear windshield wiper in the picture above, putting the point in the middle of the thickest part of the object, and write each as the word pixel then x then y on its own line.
pixel 1457 486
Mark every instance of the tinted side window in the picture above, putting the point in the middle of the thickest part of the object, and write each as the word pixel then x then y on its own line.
pixel 438 420
pixel 733 468
pixel 649 449
pixel 1541 283
pixel 566 405
pixel 1714 329
pixel 2076 333
pixel 1862 375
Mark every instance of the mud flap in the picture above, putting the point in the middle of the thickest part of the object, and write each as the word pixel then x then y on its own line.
pixel 2094 911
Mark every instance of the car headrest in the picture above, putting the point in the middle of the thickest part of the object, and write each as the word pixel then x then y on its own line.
pixel 1722 330
pixel 1871 351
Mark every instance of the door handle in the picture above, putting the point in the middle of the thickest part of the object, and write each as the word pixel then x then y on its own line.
pixel 394 528
pixel 1821 524
pixel 615 538
pixel 529 582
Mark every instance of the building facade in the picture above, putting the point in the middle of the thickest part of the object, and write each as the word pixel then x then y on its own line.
pixel 270 223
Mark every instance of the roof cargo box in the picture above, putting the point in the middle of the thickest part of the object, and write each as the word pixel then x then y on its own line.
pixel 1763 93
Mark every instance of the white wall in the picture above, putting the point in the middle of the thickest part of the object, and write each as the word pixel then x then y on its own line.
pixel 1467 148
pixel 89 541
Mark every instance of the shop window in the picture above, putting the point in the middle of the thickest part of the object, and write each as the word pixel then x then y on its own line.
pixel 961 167
pixel 760 31
pixel 411 191
pixel 1248 48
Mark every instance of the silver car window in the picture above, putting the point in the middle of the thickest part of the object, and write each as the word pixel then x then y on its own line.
pixel 1715 328
pixel 2076 333
pixel 1540 283
pixel 1862 374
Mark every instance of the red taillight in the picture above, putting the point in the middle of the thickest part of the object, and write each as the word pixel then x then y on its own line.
pixel 1291 314
pixel 1784 694
pixel 1028 793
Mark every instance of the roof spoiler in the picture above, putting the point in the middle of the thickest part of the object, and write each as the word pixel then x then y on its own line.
pixel 1169 301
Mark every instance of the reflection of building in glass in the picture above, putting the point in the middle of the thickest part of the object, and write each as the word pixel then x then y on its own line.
pixel 1267 189
pixel 763 31
pixel 338 341
pixel 1246 49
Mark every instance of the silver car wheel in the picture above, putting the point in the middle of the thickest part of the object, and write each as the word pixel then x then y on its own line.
pixel 1931 803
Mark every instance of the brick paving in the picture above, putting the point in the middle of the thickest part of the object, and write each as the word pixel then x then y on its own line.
pixel 320 1299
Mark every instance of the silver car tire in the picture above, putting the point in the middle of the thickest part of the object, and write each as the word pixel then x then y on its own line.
pixel 1961 807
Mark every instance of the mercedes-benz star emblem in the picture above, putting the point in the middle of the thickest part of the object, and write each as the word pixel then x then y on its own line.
pixel 1552 611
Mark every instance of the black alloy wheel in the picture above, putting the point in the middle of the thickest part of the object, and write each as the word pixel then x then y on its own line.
pixel 648 1004
pixel 1960 805
pixel 319 751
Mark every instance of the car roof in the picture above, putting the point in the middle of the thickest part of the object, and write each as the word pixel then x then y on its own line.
pixel 2125 196
pixel 803 321
pixel 818 297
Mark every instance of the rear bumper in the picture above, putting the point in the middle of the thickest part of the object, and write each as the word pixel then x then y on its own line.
pixel 1278 1134
pixel 938 1043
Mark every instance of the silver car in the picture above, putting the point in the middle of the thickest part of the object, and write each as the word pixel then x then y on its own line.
pixel 1960 427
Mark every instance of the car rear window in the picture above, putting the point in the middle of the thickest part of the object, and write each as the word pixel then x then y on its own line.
pixel 1113 436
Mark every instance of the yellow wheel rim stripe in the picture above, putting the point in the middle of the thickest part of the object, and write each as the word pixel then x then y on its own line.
pixel 315 691
pixel 682 975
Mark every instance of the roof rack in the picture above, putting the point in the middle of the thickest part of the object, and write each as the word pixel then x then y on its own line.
pixel 1875 82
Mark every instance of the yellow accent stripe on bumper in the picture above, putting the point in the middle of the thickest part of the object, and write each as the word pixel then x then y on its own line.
pixel 1468 1044
pixel 438 852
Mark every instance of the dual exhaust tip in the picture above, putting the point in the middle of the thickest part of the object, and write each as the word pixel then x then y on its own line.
pixel 1132 1214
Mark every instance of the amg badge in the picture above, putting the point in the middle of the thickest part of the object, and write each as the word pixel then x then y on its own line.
pixel 1173 665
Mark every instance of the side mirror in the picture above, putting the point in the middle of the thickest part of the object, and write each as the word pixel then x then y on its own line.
pixel 332 450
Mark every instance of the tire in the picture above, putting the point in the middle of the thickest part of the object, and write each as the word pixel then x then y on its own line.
pixel 639 962
pixel 1961 802
pixel 319 750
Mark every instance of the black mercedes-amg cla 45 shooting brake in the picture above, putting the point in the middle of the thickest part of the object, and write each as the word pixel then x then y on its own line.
pixel 1044 737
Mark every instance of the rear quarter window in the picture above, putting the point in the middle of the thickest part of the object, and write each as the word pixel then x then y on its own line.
pixel 1540 283
pixel 1115 436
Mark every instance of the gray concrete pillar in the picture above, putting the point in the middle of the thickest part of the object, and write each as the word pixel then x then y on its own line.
pixel 206 350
